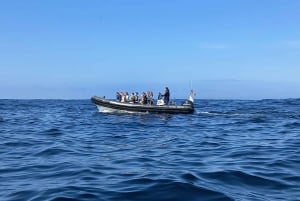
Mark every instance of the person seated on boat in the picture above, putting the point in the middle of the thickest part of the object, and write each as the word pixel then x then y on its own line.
pixel 123 97
pixel 126 97
pixel 160 100
pixel 159 96
pixel 118 96
pixel 136 97
pixel 150 97
pixel 131 98
pixel 166 96
pixel 143 98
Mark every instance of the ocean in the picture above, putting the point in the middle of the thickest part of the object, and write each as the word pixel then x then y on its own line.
pixel 65 150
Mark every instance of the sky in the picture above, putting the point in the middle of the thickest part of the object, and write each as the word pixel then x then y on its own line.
pixel 71 49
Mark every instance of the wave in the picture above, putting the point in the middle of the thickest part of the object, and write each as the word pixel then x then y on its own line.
pixel 51 152
pixel 236 178
pixel 166 189
pixel 226 150
pixel 53 132
pixel 292 125
pixel 151 190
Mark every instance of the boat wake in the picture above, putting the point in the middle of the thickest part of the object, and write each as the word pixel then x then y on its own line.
pixel 222 113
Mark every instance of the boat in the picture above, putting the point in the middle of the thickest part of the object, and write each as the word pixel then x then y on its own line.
pixel 108 106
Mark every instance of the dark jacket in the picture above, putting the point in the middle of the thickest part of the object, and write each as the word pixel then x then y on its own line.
pixel 167 96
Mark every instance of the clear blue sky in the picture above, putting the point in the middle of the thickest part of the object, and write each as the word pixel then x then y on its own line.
pixel 71 49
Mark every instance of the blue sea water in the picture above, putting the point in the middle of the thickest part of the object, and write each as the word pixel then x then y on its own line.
pixel 227 150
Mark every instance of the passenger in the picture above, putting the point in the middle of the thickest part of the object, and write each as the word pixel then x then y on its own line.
pixel 143 98
pixel 118 96
pixel 122 97
pixel 136 97
pixel 167 96
pixel 131 98
pixel 160 101
pixel 150 97
pixel 126 97
pixel 159 96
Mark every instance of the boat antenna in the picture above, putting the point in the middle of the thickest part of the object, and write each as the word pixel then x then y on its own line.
pixel 191 96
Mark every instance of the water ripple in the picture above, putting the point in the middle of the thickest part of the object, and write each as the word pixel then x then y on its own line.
pixel 159 190
pixel 227 150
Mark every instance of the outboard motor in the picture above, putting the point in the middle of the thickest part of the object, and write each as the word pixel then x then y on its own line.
pixel 160 102
pixel 187 103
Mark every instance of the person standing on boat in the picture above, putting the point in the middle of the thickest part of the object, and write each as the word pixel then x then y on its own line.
pixel 167 96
